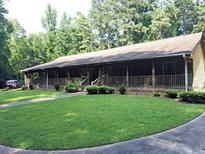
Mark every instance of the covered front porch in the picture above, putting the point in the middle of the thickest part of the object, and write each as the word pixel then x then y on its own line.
pixel 166 73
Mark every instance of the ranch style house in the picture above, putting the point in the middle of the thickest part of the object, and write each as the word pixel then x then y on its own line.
pixel 172 63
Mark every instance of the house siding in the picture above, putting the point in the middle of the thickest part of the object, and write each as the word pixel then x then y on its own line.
pixel 198 67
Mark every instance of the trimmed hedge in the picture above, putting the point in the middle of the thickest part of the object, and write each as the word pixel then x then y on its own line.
pixel 171 94
pixel 57 87
pixel 71 88
pixel 156 95
pixel 122 89
pixel 103 89
pixel 192 97
pixel 111 90
pixel 92 89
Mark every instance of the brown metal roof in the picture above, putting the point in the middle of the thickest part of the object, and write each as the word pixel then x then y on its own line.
pixel 160 48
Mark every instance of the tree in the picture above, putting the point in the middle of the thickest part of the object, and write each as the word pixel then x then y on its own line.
pixel 5 29
pixel 200 20
pixel 18 30
pixel 83 35
pixel 164 22
pixel 186 15
pixel 49 23
pixel 26 51
pixel 64 39
pixel 18 47
pixel 121 22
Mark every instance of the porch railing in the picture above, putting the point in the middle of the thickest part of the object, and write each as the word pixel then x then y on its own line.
pixel 158 81
pixel 60 81
pixel 149 81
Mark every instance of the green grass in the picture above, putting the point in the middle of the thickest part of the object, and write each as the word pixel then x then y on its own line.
pixel 86 121
pixel 22 95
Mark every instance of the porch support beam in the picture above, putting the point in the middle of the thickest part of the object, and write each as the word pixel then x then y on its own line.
pixel 25 80
pixel 99 73
pixel 68 74
pixel 107 74
pixel 153 74
pixel 186 75
pixel 57 77
pixel 46 79
pixel 88 75
pixel 127 76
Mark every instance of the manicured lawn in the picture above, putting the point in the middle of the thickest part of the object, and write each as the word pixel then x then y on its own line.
pixel 86 121
pixel 19 95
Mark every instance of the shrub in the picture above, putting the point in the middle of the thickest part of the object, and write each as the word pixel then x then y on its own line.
pixel 171 94
pixel 193 97
pixel 31 87
pixel 122 89
pixel 76 83
pixel 57 87
pixel 23 87
pixel 156 95
pixel 71 88
pixel 21 83
pixel 111 90
pixel 103 89
pixel 93 89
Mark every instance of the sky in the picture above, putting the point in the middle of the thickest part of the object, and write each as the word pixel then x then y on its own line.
pixel 29 12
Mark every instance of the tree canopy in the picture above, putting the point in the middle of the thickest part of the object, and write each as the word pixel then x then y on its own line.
pixel 5 29
pixel 110 23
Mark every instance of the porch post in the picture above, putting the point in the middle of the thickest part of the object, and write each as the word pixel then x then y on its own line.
pixel 57 77
pixel 46 79
pixel 88 76
pixel 153 75
pixel 186 75
pixel 68 75
pixel 25 80
pixel 99 73
pixel 107 74
pixel 127 76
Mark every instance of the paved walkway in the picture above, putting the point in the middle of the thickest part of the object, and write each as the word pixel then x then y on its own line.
pixel 40 100
pixel 186 139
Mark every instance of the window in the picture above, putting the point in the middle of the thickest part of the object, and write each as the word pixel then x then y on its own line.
pixel 169 68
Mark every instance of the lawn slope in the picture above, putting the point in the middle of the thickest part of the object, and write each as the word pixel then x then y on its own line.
pixel 22 95
pixel 87 121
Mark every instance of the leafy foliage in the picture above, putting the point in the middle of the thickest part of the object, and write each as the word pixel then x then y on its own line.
pixel 103 89
pixel 71 88
pixel 193 97
pixel 57 87
pixel 122 89
pixel 171 94
pixel 111 90
pixel 156 95
pixel 5 30
pixel 92 89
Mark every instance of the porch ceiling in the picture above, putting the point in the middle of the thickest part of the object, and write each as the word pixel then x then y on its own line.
pixel 161 48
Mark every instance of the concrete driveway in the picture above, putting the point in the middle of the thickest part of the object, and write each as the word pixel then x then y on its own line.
pixel 186 139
